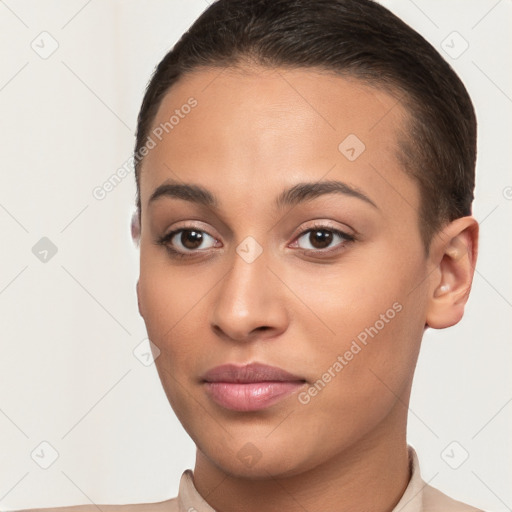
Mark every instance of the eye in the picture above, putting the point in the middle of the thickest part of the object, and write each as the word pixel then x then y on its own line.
pixel 186 240
pixel 320 237
pixel 189 241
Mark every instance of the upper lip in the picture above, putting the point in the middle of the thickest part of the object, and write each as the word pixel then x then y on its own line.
pixel 253 372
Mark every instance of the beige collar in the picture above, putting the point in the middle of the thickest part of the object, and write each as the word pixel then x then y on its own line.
pixel 189 500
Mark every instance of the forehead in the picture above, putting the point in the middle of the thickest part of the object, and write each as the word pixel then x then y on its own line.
pixel 256 130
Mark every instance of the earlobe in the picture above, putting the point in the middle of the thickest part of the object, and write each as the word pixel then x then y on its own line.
pixel 453 254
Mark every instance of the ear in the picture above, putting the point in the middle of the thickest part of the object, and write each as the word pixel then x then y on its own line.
pixel 135 231
pixel 453 254
pixel 138 299
pixel 135 227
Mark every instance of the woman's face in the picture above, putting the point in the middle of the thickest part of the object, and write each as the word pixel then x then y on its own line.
pixel 327 285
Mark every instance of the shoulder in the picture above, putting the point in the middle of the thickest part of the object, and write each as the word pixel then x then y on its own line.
pixel 160 506
pixel 436 501
pixel 422 497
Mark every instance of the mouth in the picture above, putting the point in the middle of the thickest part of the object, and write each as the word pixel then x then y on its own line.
pixel 250 387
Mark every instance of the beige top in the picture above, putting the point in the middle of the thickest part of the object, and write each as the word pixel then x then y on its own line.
pixel 418 497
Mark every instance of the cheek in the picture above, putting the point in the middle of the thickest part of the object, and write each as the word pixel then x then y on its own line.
pixel 362 375
pixel 170 299
pixel 167 292
pixel 376 338
pixel 368 360
pixel 170 302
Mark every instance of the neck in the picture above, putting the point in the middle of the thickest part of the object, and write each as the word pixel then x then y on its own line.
pixel 371 475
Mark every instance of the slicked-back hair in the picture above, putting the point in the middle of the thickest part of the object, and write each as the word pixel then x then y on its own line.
pixel 358 39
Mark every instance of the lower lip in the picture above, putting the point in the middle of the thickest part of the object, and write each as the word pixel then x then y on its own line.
pixel 250 396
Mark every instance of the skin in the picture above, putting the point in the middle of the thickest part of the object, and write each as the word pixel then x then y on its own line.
pixel 256 131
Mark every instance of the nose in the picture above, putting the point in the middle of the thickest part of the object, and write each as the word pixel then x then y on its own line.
pixel 249 302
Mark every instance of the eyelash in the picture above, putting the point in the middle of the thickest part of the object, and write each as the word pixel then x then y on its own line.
pixel 164 240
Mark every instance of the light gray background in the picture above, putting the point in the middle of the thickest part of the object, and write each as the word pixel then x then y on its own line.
pixel 68 328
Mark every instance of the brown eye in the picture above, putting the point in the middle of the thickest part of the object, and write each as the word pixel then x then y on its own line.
pixel 186 241
pixel 321 239
pixel 191 239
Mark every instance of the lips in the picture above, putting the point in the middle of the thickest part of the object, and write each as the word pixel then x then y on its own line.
pixel 254 372
pixel 251 387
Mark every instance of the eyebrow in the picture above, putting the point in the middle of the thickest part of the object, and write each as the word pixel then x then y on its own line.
pixel 298 193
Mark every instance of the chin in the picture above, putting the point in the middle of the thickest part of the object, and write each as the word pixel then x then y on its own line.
pixel 261 457
pixel 264 468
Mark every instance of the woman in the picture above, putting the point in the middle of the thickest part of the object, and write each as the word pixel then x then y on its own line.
pixel 305 175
